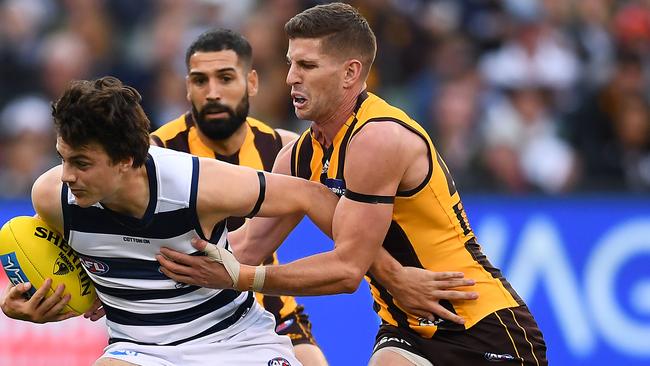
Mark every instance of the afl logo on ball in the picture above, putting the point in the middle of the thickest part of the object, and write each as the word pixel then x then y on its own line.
pixel 279 361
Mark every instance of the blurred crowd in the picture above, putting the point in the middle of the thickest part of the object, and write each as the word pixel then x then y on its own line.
pixel 519 96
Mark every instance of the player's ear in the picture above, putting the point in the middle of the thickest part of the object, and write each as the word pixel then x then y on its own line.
pixel 125 164
pixel 253 83
pixel 353 69
pixel 187 88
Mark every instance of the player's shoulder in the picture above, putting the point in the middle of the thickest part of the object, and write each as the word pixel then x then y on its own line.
pixel 260 125
pixel 48 182
pixel 46 195
pixel 172 128
pixel 379 132
pixel 285 135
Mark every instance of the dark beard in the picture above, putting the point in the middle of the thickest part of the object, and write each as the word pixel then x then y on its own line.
pixel 221 128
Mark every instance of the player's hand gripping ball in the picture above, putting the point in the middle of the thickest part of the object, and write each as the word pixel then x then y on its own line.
pixel 31 251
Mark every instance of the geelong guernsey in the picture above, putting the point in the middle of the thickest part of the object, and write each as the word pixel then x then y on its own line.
pixel 118 252
pixel 261 145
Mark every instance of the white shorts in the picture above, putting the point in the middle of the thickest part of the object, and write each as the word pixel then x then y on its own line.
pixel 256 344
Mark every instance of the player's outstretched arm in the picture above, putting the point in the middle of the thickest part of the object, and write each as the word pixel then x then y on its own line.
pixel 261 236
pixel 374 167
pixel 228 190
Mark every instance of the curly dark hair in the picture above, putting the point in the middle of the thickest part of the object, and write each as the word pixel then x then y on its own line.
pixel 343 29
pixel 106 112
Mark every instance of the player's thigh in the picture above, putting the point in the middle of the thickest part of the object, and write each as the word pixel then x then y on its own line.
pixel 106 361
pixel 309 355
pixel 393 356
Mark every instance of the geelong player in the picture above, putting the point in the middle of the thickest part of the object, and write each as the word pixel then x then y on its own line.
pixel 117 200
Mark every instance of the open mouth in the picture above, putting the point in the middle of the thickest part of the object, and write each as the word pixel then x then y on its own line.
pixel 299 101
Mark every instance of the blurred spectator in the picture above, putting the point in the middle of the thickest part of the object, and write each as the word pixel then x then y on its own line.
pixel 593 41
pixel 523 150
pixel 27 145
pixel 632 26
pixel 632 125
pixel 456 116
pixel 21 23
pixel 64 57
pixel 534 54
pixel 594 127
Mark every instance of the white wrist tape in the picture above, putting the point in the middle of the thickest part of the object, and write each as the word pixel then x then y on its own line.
pixel 258 281
pixel 226 258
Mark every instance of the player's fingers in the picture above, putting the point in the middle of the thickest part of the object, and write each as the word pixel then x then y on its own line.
pixel 177 257
pixel 177 277
pixel 53 313
pixel 420 313
pixel 455 295
pixel 93 308
pixel 172 266
pixel 15 292
pixel 199 243
pixel 446 314
pixel 53 300
pixel 98 314
pixel 64 316
pixel 40 293
pixel 453 283
pixel 446 275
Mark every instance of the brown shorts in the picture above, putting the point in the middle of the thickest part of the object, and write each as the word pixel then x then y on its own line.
pixel 296 326
pixel 509 336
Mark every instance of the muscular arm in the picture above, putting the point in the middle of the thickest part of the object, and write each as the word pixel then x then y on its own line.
pixel 46 198
pixel 239 189
pixel 374 166
pixel 261 236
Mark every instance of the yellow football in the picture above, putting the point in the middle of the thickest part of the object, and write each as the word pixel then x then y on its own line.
pixel 31 251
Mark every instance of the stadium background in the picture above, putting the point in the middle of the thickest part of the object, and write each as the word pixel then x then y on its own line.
pixel 539 107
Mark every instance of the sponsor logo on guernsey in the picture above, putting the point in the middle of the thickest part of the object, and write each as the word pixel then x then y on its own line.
pixel 279 361
pixel 284 325
pixel 130 239
pixel 124 352
pixel 326 167
pixel 393 339
pixel 495 357
pixel 94 266
pixel 336 185
pixel 424 322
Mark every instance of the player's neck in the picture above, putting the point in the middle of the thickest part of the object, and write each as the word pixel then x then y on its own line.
pixel 227 146
pixel 132 196
pixel 325 130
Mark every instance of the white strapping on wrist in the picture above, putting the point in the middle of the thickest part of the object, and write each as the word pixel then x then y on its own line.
pixel 226 258
pixel 258 281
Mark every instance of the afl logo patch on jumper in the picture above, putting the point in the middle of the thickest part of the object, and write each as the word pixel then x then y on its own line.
pixel 94 266
pixel 279 361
